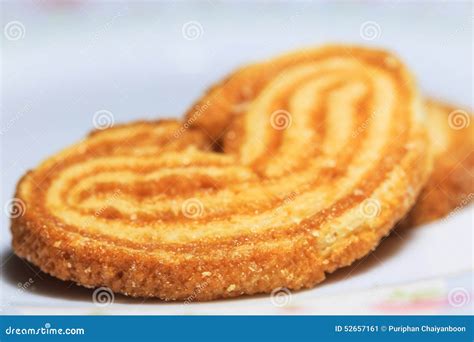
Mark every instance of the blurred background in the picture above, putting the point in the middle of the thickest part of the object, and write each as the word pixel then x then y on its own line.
pixel 64 61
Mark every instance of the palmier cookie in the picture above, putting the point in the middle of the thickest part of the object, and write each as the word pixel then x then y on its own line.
pixel 147 210
pixel 450 187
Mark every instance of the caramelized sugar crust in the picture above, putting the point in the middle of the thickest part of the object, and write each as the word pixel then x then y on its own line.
pixel 287 170
pixel 450 187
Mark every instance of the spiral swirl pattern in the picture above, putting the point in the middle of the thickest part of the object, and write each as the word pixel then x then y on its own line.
pixel 459 119
pixel 103 297
pixel 459 297
pixel 14 30
pixel 370 30
pixel 15 208
pixel 192 30
pixel 103 119
pixel 232 201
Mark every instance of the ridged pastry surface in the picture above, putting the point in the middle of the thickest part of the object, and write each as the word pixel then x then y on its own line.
pixel 450 187
pixel 287 170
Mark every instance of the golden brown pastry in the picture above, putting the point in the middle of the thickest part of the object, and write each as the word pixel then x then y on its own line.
pixel 315 156
pixel 450 187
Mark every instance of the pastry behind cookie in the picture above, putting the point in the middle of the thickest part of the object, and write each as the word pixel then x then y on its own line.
pixel 451 184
